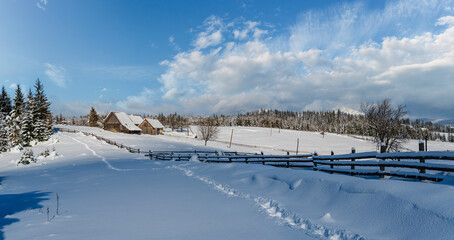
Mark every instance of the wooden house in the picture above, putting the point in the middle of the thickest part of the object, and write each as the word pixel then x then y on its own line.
pixel 151 126
pixel 120 122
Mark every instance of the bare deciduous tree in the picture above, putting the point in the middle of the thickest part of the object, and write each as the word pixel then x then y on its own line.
pixel 384 122
pixel 208 129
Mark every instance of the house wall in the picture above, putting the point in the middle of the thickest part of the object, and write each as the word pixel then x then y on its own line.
pixel 113 124
pixel 148 129
pixel 112 127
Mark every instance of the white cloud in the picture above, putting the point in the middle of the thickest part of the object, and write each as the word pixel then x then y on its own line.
pixel 137 104
pixel 240 34
pixel 446 20
pixel 212 36
pixel 42 4
pixel 57 74
pixel 104 89
pixel 173 43
pixel 249 27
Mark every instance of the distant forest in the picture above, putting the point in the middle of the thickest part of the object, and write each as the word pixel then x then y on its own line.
pixel 317 121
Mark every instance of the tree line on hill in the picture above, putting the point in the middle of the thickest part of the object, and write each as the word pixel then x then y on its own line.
pixel 317 121
pixel 26 119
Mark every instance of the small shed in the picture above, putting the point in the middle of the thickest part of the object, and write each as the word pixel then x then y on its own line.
pixel 120 122
pixel 151 126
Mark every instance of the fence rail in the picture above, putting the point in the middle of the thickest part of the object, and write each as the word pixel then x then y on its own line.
pixel 385 163
pixel 226 157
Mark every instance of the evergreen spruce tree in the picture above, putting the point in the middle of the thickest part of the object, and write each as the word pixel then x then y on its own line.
pixel 5 103
pixel 10 131
pixel 27 120
pixel 15 120
pixel 5 110
pixel 42 118
pixel 4 143
pixel 93 117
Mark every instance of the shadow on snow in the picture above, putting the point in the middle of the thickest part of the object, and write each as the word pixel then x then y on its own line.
pixel 14 203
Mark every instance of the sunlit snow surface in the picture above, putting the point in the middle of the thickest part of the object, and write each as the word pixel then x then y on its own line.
pixel 108 193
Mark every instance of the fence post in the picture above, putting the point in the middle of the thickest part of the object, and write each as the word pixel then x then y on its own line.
pixel 427 137
pixel 382 147
pixel 331 160
pixel 422 160
pixel 382 150
pixel 314 163
pixel 421 145
pixel 297 145
pixel 422 170
pixel 353 151
pixel 231 136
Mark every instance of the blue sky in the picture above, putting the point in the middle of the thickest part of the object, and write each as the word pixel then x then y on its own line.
pixel 203 57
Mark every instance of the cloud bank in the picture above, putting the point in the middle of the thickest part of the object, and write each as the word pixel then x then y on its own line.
pixel 333 59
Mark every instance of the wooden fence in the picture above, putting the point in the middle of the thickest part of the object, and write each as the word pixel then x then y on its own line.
pixel 416 165
pixel 397 164
pixel 234 157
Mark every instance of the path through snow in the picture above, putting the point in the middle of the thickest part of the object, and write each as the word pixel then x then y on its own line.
pixel 99 156
pixel 274 210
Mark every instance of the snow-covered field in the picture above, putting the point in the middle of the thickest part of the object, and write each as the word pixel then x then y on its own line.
pixel 108 193
pixel 254 139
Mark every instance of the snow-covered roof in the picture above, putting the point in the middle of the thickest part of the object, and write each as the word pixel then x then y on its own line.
pixel 136 119
pixel 126 121
pixel 155 123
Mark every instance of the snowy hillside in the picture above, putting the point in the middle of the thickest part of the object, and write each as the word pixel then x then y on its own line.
pixel 108 193
pixel 254 139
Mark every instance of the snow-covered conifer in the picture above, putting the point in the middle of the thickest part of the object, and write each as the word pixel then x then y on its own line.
pixel 4 143
pixel 27 129
pixel 42 118
pixel 5 103
pixel 5 111
pixel 15 120
pixel 11 130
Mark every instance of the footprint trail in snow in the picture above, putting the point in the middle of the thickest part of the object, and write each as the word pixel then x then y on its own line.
pixel 277 212
pixel 99 156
